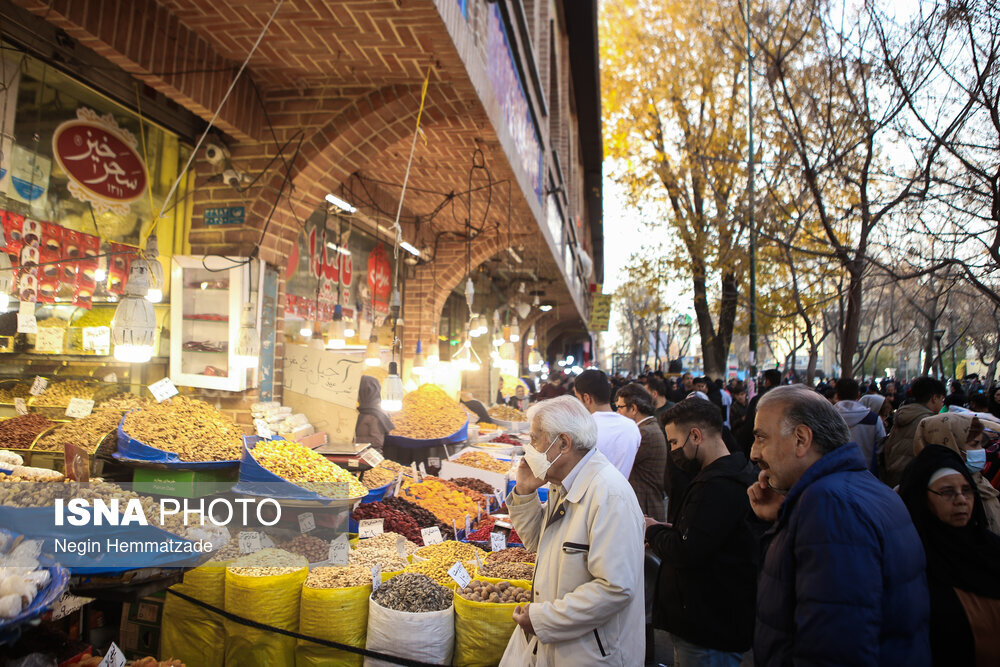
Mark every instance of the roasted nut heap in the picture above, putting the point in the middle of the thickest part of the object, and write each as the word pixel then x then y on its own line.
pixel 388 542
pixel 84 432
pixel 377 477
pixel 451 551
pixel 389 562
pixel 473 484
pixel 519 571
pixel 19 390
pixel 512 555
pixel 19 432
pixel 192 429
pixel 499 593
pixel 300 465
pixel 413 593
pixel 312 548
pixel 266 563
pixel 507 414
pixel 428 413
pixel 339 577
pixel 57 394
pixel 483 461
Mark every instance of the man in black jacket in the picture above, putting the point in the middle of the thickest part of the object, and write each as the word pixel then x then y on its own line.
pixel 706 588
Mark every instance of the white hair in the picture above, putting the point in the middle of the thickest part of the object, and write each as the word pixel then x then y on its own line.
pixel 565 414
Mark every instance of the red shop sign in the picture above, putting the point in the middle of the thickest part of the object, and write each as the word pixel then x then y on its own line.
pixel 100 160
pixel 379 277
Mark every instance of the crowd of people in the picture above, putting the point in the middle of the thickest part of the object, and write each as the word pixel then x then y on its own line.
pixel 847 523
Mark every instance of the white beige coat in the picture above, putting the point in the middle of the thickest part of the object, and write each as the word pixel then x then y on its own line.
pixel 587 606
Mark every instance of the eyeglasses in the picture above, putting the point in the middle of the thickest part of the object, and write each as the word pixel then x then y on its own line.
pixel 951 494
pixel 619 406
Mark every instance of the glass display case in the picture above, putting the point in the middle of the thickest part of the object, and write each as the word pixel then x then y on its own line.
pixel 207 297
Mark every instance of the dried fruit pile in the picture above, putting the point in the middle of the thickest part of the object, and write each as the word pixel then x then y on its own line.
pixel 473 484
pixel 392 520
pixel 377 477
pixel 428 413
pixel 482 532
pixel 300 465
pixel 192 429
pixel 86 432
pixel 57 394
pixel 450 551
pixel 445 502
pixel 507 440
pixel 507 414
pixel 413 593
pixel 423 518
pixel 483 461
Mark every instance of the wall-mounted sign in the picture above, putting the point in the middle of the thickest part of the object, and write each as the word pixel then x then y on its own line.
pixel 101 161
pixel 228 215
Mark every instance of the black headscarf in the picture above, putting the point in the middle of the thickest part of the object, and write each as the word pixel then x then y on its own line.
pixel 992 405
pixel 967 558
pixel 370 400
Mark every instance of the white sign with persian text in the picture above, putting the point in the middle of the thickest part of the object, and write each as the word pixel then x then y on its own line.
pixel 328 376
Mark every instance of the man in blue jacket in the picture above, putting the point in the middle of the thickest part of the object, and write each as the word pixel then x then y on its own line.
pixel 842 580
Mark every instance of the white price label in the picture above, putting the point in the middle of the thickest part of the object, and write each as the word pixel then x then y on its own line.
pixel 399 483
pixel 26 323
pixel 113 658
pixel 266 541
pixel 79 407
pixel 423 470
pixel 434 462
pixel 340 550
pixel 39 386
pixel 431 535
pixel 454 528
pixel 352 463
pixel 479 514
pixel 96 339
pixel 372 457
pixel 479 563
pixel 250 542
pixel 498 542
pixel 499 495
pixel 376 577
pixel 111 378
pixel 68 604
pixel 263 430
pixel 369 528
pixel 401 546
pixel 413 469
pixel 307 522
pixel 50 339
pixel 468 525
pixel 459 574
pixel 162 390
pixel 20 406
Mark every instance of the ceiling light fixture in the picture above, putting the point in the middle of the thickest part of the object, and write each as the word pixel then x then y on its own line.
pixel 341 204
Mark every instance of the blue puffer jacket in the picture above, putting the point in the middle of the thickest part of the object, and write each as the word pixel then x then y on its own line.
pixel 843 581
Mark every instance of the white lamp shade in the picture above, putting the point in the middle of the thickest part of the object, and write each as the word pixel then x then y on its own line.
pixel 392 390
pixel 373 354
pixel 133 329
pixel 335 339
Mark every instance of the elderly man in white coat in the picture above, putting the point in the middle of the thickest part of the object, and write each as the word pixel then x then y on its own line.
pixel 587 598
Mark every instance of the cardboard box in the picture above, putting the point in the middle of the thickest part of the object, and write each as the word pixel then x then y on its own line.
pixel 139 633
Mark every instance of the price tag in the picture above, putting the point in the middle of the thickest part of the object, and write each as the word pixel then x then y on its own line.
pixel 97 339
pixel 307 522
pixel 263 430
pixel 423 470
pixel 399 483
pixel 250 542
pixel 459 574
pixel 497 542
pixel 162 390
pixel 79 407
pixel 113 658
pixel 266 541
pixel 454 528
pixel 352 463
pixel 376 577
pixel 39 386
pixel 67 605
pixel 401 546
pixel 468 525
pixel 372 457
pixel 413 468
pixel 369 528
pixel 50 339
pixel 340 550
pixel 110 378
pixel 479 563
pixel 434 462
pixel 499 495
pixel 20 406
pixel 479 514
pixel 26 323
pixel 431 535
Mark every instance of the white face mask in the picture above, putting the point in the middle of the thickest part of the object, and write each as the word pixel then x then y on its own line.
pixel 537 460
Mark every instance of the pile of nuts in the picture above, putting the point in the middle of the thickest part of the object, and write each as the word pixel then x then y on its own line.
pixel 388 561
pixel 388 542
pixel 499 593
pixel 519 571
pixel 300 465
pixel 435 569
pixel 339 577
pixel 428 413
pixel 392 520
pixel 192 429
pixel 19 432
pixel 473 484
pixel 507 414
pixel 267 563
pixel 512 555
pixel 377 477
pixel 311 548
pixel 483 461
pixel 85 432
pixel 413 593
pixel 229 551
pixel 451 551
pixel 57 394
pixel 17 390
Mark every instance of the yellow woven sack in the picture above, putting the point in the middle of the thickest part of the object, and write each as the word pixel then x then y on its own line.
pixel 271 600
pixel 193 635
pixel 335 614
pixel 522 583
pixel 482 629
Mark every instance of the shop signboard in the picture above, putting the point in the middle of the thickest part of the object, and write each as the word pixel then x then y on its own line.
pixel 328 376
pixel 600 312
pixel 101 160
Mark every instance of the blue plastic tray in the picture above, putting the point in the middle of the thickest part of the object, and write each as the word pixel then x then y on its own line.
pixel 131 450
pixel 461 435
pixel 256 480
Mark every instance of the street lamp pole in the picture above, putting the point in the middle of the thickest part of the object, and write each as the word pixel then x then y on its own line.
pixel 951 325
pixel 750 206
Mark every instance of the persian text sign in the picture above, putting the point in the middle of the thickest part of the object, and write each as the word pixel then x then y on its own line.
pixel 328 376
pixel 100 160
pixel 600 312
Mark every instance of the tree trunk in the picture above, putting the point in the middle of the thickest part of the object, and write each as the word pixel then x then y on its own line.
pixel 852 320
pixel 811 366
pixel 928 350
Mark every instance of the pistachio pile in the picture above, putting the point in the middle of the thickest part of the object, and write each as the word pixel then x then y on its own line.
pixel 414 593
pixel 339 577
pixel 502 592
pixel 192 429
pixel 267 563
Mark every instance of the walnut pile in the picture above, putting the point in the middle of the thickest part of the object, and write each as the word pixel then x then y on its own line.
pixel 192 429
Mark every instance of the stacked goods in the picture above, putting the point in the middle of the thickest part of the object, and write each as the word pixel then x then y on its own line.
pixel 507 414
pixel 267 563
pixel 339 577
pixel 485 527
pixel 378 477
pixel 473 484
pixel 414 593
pixel 423 518
pixel 57 394
pixel 450 551
pixel 483 461
pixel 501 592
pixel 512 555
pixel 428 413
pixel 513 571
pixel 392 520
pixel 86 432
pixel 444 502
pixel 302 466
pixel 192 429
pixel 19 432
pixel 311 548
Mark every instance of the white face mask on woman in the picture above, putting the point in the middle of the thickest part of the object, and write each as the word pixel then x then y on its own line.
pixel 975 459
pixel 537 460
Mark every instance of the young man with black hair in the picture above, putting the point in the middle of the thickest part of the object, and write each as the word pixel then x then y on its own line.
pixel 928 398
pixel 617 436
pixel 657 389
pixel 646 478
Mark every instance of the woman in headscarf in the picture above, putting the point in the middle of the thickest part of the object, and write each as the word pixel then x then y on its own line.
pixel 963 434
pixel 963 558
pixel 373 423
